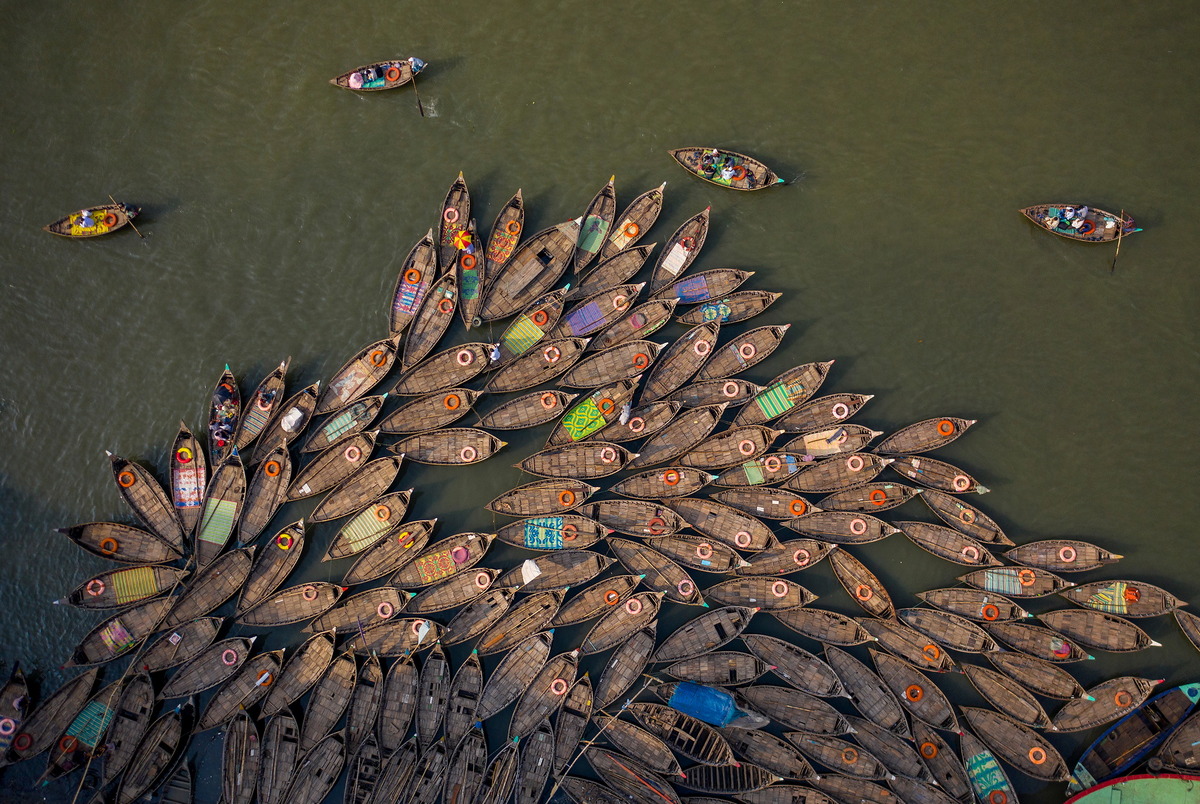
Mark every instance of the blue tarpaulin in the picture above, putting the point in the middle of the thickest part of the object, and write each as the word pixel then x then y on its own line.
pixel 710 704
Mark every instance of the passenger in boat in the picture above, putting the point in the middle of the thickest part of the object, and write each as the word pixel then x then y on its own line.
pixel 85 219
pixel 416 64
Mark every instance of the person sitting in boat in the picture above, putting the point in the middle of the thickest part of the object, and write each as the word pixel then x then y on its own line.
pixel 85 219
pixel 727 172
pixel 1080 215
pixel 416 64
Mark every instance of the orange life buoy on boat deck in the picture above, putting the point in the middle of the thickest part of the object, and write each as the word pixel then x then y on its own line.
pixel 540 317
pixel 392 74
pixel 513 227
pixel 797 507
pixel 878 497
pixel 272 468
pixel 1037 755
pixel 611 597
pixel 549 400
pixel 109 546
pixel 383 513
pixel 452 401
pixel 467 261
pixel 641 360
pixel 945 427
pixel 126 479
pixel 656 526
pixel 566 498
pixel 446 306
pixel 1122 698
pixel 929 750
pixel 739 173
pixel 632 229
pixel 412 276
pixel 110 220
pixel 990 612
pixel 671 477
pixel 864 592
pixel 1026 577
pixel 95 587
pixel 688 243
pixel 606 406
pixel 570 532
pixel 378 357
pixel 914 693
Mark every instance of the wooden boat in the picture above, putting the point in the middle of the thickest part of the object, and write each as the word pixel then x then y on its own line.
pixel 528 410
pixel 445 370
pixel 839 439
pixel 189 476
pixel 943 766
pixel 34 732
pixel 433 318
pixel 746 350
pixel 179 646
pixel 1104 703
pixel 796 666
pixel 543 497
pixel 633 222
pixel 948 544
pixel 470 273
pixel 520 622
pixel 280 748
pixel 1125 598
pixel 148 501
pixel 241 691
pixel 897 754
pixel 730 309
pixel 366 768
pixel 1168 789
pixel 430 412
pixel 639 323
pixel 462 698
pixel 456 214
pixel 223 503
pixel 720 668
pixel 120 633
pixel 398 706
pixel 271 567
pixel 433 691
pixel 211 587
pixel 1081 223
pixel 836 474
pixel 1022 582
pixel 924 436
pixel 561 569
pixel 121 587
pixel 537 265
pixel 260 406
pixel 764 470
pixel 841 527
pixel 359 489
pixel 530 327
pixel 543 695
pixel 680 361
pixel 504 236
pixel 916 693
pixel 794 709
pixel 984 773
pixel 659 573
pixel 536 761
pixel 967 518
pixel 769 752
pixel 617 625
pixel 704 286
pixel 1037 674
pixel 465 767
pixel 514 671
pixel 723 524
pixel 209 667
pixel 316 771
pixel 785 558
pixel 770 593
pixel 1189 624
pixel 450 556
pixel 662 484
pixel 477 616
pixel 122 543
pixel 823 411
pixel 726 168
pixel 428 774
pixel 742 777
pixel 678 436
pixel 1007 695
pixel 909 644
pixel 937 475
pixel 685 734
pixel 361 610
pixel 224 416
pixel 1044 643
pixel 593 413
pixel 456 446
pixel 873 497
pixel 380 75
pixel 328 700
pixel 1098 630
pixel 500 776
pixel 240 760
pixel 299 673
pixel 84 736
pixel 580 460
pixel 539 364
pixel 867 692
pixel 622 362
pixel 93 221
pixel 624 666
pixel 412 283
pixel 388 554
pixel 596 599
pixel 632 740
pixel 827 627
pixel 839 755
pixel 614 270
pixel 784 393
pixel 1017 744
pixel 643 422
pixel 595 227
pixel 680 250
pixel 353 418
pixel 705 633
pixel 862 585
pixel 1062 555
pixel 730 448
pixel 730 392
pixel 457 590
pixel 696 553
pixel 552 532
pixel 287 423
pixel 620 773
pixel 949 630
pixel 156 754
pixel 981 606
pixel 1180 751
pixel 359 375
pixel 338 461
pixel 263 496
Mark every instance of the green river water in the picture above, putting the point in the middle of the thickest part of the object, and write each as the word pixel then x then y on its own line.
pixel 277 210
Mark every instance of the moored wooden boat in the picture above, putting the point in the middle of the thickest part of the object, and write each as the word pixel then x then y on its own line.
pixel 764 470
pixel 398 706
pixel 365 768
pixel 945 768
pixel 539 364
pixel 1098 630
pixel 445 370
pixel 93 221
pixel 948 544
pixel 480 614
pixel 704 286
pixel 909 644
pixel 264 494
pixel 1017 744
pixel 796 666
pixel 685 734
pixel 612 271
pixel 211 587
pixel 260 406
pixel 680 361
pixel 678 436
pixel 837 473
pixel 178 646
pixel 280 748
pixel 155 755
pixel 661 484
pixel 1062 555
pixel 361 610
pixel 794 709
pixel 697 553
pixel 1189 624
pixel 433 318
pixel 82 738
pixel 288 422
pixel 986 777
pixel 896 753
pixel 580 460
pixel 745 350
pixel 1037 674
pixel 593 413
pixel 299 673
pixel 241 691
pixel 974 604
pixel 625 778
pixel 502 241
pixel 292 605
pixel 638 323
pixel 730 309
pixel 148 501
pixel 1081 223
pixel 1044 643
pixel 317 771
pixel 457 590
pixel 724 524
pixel 338 461
pixel 595 226
pixel 705 633
pixel 272 565
pixel 1125 598
pixel 536 266
pixel 867 692
pixel 380 75
pixel 224 416
pixel 417 271
pixel 520 622
pixel 433 690
pixel 120 633
pixel 1105 702
pixel 841 527
pixel 767 751
pixel 823 411
pixel 622 362
pixel 470 273
pixel 121 587
pixel 543 497
pixel 528 410
pixel 916 693
pixel 1022 582
pixel 770 593
pixel 937 475
pixel 560 569
pixel 530 326
pixel 784 393
pixel 506 682
pixel 133 715
pixel 633 222
pixel 442 559
pixel 536 761
pixel 1007 695
pixel 552 532
pixel 619 623
pixel 358 376
pixel 1180 751
pixel 879 495
pixel 742 777
pixel 730 447
pixel 189 476
pixel 430 412
pixel 455 446
pixel 596 599
pixel 659 573
pixel 353 418
pixel 123 543
pixel 726 168
pixel 680 250
pixel 624 666
pixel 839 755
pixel 462 698
pixel 391 552
pixel 839 439
pixel 725 668
pixel 465 767
pixel 924 436
pixel 240 758
pixel 786 557
pixel 949 630
pixel 730 392
pixel 633 740
pixel 35 732
pixel 862 585
pixel 456 214
pixel 428 775
pixel 209 667
pixel 360 488
pixel 223 502
pixel 827 627
pixel 957 513
pixel 543 694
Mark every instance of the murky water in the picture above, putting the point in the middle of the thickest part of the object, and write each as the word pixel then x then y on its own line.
pixel 277 210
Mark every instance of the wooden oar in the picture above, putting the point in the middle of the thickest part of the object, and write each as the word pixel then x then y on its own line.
pixel 131 223
pixel 1120 232
pixel 420 107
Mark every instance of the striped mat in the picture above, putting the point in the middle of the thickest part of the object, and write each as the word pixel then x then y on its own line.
pixel 544 533
pixel 754 472
pixel 135 583
pixel 342 422
pixel 117 638
pixel 218 521
pixel 365 529
pixel 779 398
pixel 410 296
pixel 586 320
pixel 1110 599
pixel 254 421
pixel 90 724
pixel 1004 581
pixel 522 335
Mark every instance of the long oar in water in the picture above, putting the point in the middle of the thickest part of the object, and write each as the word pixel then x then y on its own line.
pixel 420 107
pixel 1120 232
pixel 131 223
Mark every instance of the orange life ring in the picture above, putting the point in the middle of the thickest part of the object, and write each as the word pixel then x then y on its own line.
pixel 540 317
pixel 620 301
pixel 772 463
pixel 1026 577
pixel 272 468
pixel 1067 554
pixel 566 498
pixel 606 406
pixel 611 597
pixel 971 553
pixel 558 686
pixel 1122 698
pixel 878 497
pixel 997 797
pixel 704 550
pixel 855 463
pixel 126 479
pixel 608 455
pixel 450 214
pixel 549 400
pixel 284 541
pixel 967 516
pixel 702 347
pixel 467 261
pixel 641 360
pixel 864 592
pixel 914 693
pixel 309 592
pixel 412 276
pixel 468 454
pixel 801 558
pixel 385 610
pixel 685 587
pixel 383 513
pixel 1037 755
pixel 23 741
pixel 671 477
pixel 183 455
pixel 95 587
pixel 265 679
pixel 798 507
pixel 633 605
pixel 1132 594
pixel 378 357
pixel 849 756
pixel 68 744
pixel 730 389
pixel 931 652
pixel 632 229
pixel 452 401
pixel 656 525
pixel 739 173
pixel 990 612
pixel 445 306
pixel 742 539
pixel 637 424
pixel 747 351
pixel 110 219
pixel 746 447
pixel 844 410
pixel 945 427
pixel 858 526
pixel 109 546
pixel 929 750
pixel 570 532
pixel 465 357
pixel 552 354
pixel 960 483
pixel 392 73
pixel 352 453
pixel 688 243
pixel 779 589
pixel 229 657
pixel 482 579
pixel 513 227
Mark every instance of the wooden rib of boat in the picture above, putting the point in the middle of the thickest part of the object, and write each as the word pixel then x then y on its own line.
pixel 433 690
pixel 361 610
pixel 552 532
pixel 786 557
pixel 662 484
pixel 880 495
pixel 837 473
pixel 399 705
pixel 123 543
pixel 1098 630
pixel 536 761
pixel 1037 674
pixel 580 460
pixel 678 436
pixel 1080 223
pixel 539 364
pixel 1017 744
pixel 457 590
pixel 391 552
pixel 530 327
pixel 462 698
pixel 614 270
pixel 465 767
pixel 359 375
pixel 866 690
pixel 916 693
pixel 264 494
pixel 680 361
pixel 445 370
pixel 724 524
pixel 633 222
pixel 537 265
pixel 338 461
pixel 659 573
pixel 685 734
pixel 823 411
pixel 521 621
pixel 241 690
pixel 1044 643
pixel 838 439
pixel 479 615
pixel 826 627
pixel 796 666
pixel 949 630
pixel 156 754
pixel 596 599
pixel 449 556
pixel 1109 701
pixel 561 569
pixel 280 748
pixel 223 503
pixel 433 318
pixel 596 224
pixel 1020 582
pixel 1125 598
pixel 271 567
pixel 794 709
pixel 839 755
pixel 624 666
pixel 293 605
pixel 412 283
pixel 841 527
pixel 770 593
pixel 705 633
pixel 500 777
pixel 1007 695
pixel 120 633
pixel 177 647
pixel 502 239
pixel 148 501
pixel 287 423
pixel 986 777
pixel 353 418
pixel 208 668
pixel 131 719
pixel 721 668
pixel 730 448
pixel 618 624
pixel 121 587
pixel 510 676
pixel 680 250
pixel 639 323
pixel 937 475
pixel 729 392
pixel 316 771
pixel 784 393
pixel 544 694
pixel 633 740
pixel 528 410
pixel 359 489
pixel 634 517
pixel 948 544
pixel 430 412
pixel 470 275
pixel 742 777
pixel 726 168
pixel 543 497
pixel 622 362
pixel 909 644
pixel 456 446
pixel 862 585
pixel 1062 555
pixel 974 604
pixel 924 436
pixel 328 700
pixel 896 753
pixel 730 309
pixel 240 758
pixel 365 770
pixel 958 514
pixel 704 286
pixel 189 477
pixel 299 673
pixel 593 413
pixel 93 221
pixel 224 416
pixel 456 213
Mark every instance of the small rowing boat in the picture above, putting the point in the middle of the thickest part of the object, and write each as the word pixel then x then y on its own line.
pixel 726 168
pixel 1081 222
pixel 380 75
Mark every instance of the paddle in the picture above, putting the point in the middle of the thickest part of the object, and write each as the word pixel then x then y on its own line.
pixel 1120 232
pixel 131 223
pixel 420 107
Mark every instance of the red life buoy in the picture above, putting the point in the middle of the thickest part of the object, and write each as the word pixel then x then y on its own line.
pixel 284 541
pixel 392 73
pixel 641 360
pixel 990 612
pixel 540 317
pixel 688 243
pixel 126 479
pixel 656 525
pixel 632 230
pixel 549 400
pixel 878 497
pixel 914 693
pixel 23 741
pixel 183 455
pixel 68 744
pixel 671 477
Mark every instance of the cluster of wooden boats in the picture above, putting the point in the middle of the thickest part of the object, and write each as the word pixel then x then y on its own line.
pixel 723 492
